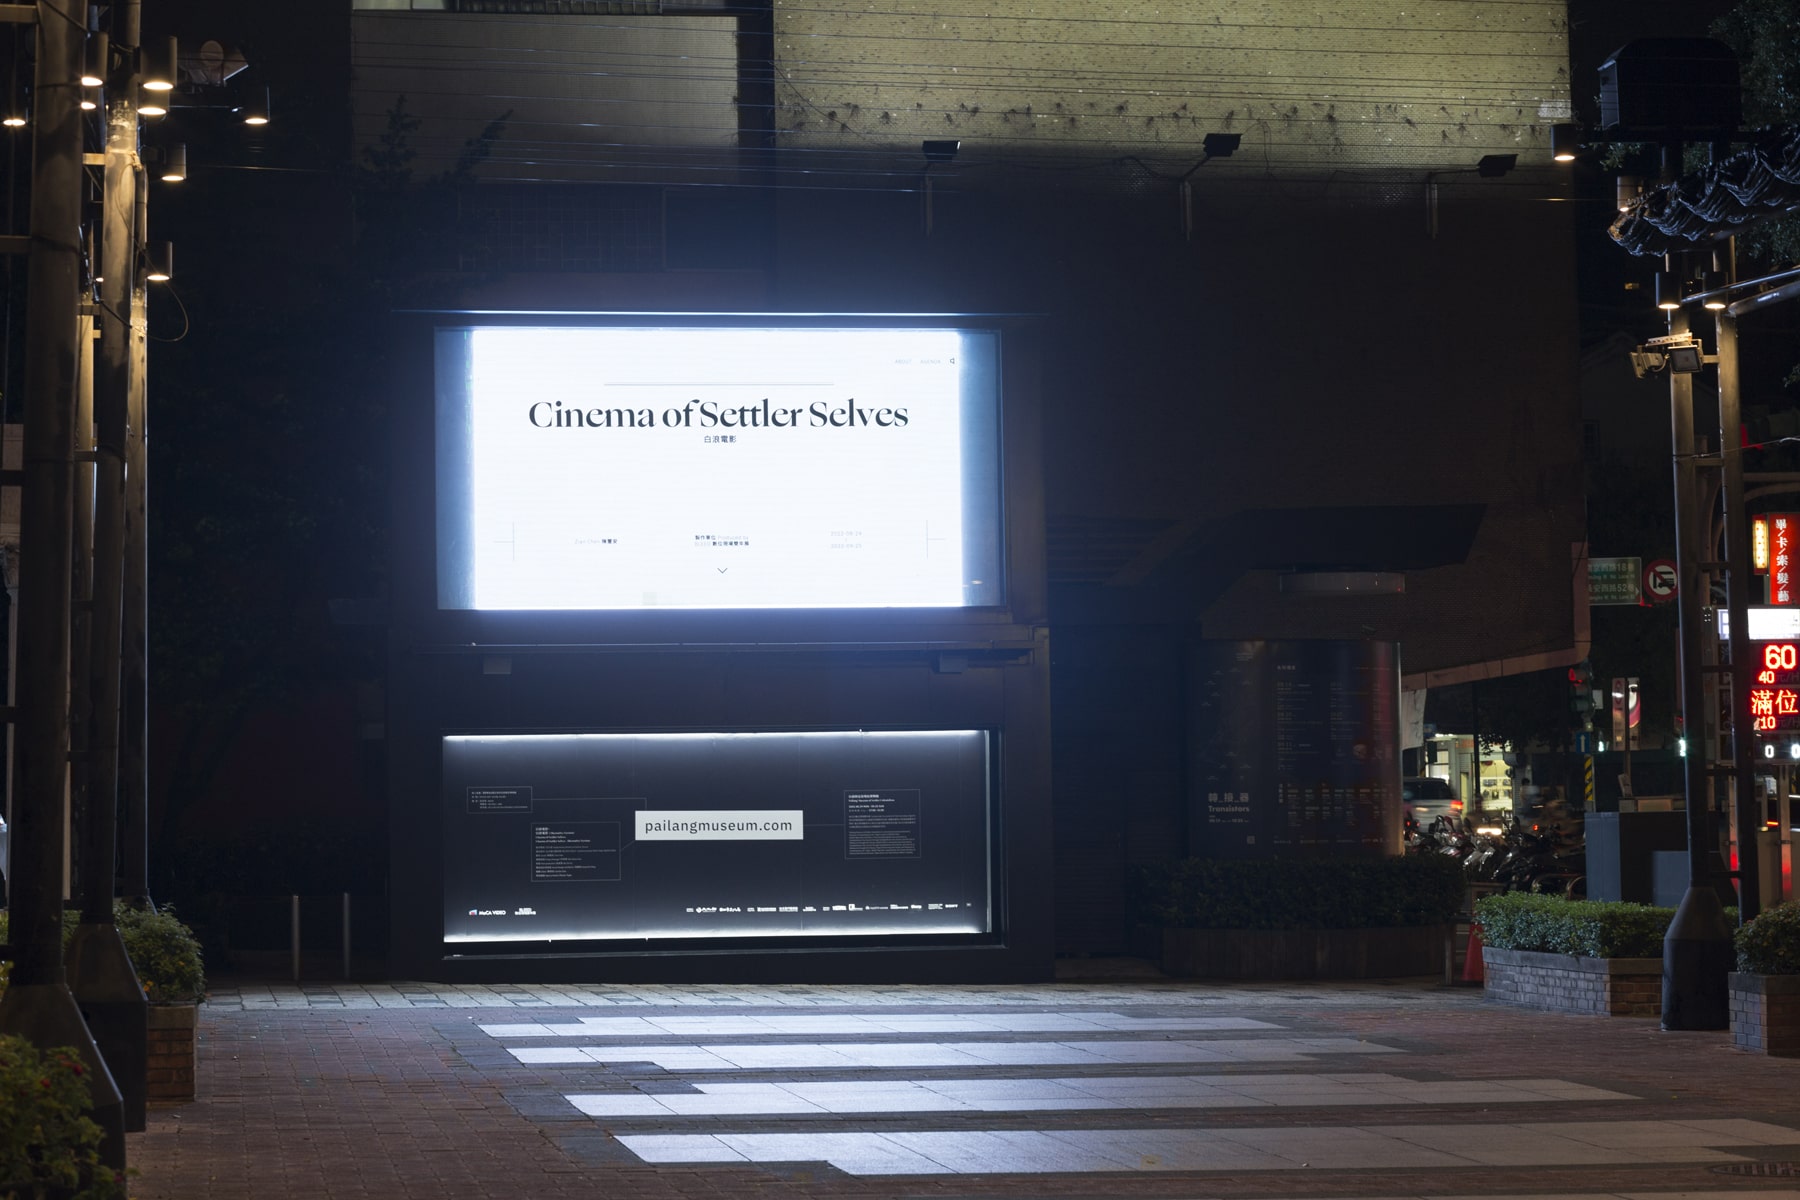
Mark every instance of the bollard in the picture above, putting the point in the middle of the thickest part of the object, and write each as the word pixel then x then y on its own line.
pixel 294 932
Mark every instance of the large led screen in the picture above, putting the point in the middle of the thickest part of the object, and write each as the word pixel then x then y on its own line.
pixel 717 468
pixel 601 837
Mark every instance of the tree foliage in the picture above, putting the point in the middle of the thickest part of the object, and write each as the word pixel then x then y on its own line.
pixel 1766 36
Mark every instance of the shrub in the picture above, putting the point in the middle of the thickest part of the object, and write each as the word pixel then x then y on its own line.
pixel 48 1145
pixel 1769 944
pixel 1586 928
pixel 1276 893
pixel 163 951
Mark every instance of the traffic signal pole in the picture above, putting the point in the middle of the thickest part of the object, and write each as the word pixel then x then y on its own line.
pixel 1697 951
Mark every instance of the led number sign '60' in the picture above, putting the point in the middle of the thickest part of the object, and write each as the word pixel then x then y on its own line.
pixel 1775 695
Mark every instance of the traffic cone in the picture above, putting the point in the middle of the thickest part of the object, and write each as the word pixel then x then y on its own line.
pixel 1473 970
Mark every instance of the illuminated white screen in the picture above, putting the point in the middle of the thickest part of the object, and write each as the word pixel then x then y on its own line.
pixel 584 468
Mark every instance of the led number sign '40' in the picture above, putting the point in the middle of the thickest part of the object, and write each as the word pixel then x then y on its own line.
pixel 1775 696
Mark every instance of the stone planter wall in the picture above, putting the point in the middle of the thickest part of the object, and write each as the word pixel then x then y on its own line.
pixel 1765 1013
pixel 169 1065
pixel 1304 953
pixel 1607 987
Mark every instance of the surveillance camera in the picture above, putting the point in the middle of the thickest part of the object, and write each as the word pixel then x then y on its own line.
pixel 1647 362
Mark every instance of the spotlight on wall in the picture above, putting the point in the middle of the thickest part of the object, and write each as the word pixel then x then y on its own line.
pixel 941 151
pixel 1492 166
pixel 1565 142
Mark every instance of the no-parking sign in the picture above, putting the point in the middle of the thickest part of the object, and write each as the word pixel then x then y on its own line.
pixel 1660 580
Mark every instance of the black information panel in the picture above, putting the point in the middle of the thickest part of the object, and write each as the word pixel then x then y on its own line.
pixel 585 837
pixel 1294 749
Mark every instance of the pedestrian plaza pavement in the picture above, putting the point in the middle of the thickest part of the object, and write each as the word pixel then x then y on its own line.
pixel 1082 1090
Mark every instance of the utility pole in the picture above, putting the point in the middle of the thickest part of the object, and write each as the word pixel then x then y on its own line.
pixel 1697 948
pixel 37 1003
pixel 105 985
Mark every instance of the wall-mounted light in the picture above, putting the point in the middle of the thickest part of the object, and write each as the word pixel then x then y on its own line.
pixel 94 60
pixel 1565 142
pixel 152 104
pixel 256 111
pixel 159 263
pixel 174 164
pixel 1493 166
pixel 1220 145
pixel 940 151
pixel 157 65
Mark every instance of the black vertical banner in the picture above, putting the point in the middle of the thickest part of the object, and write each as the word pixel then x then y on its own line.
pixel 1293 749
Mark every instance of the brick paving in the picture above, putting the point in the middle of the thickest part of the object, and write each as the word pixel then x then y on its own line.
pixel 397 1091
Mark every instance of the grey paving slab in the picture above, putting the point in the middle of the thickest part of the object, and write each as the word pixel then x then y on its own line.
pixel 810 1056
pixel 1056 1094
pixel 1247 1149
pixel 860 1025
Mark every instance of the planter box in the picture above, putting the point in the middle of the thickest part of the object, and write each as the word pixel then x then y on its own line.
pixel 1765 1013
pixel 1304 953
pixel 169 1065
pixel 1605 987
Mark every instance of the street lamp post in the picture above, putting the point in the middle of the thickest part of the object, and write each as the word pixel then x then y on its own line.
pixel 1697 947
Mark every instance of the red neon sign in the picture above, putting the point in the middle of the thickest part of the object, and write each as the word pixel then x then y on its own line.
pixel 1784 532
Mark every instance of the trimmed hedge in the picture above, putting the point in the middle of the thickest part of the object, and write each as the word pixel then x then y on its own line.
pixel 1584 928
pixel 1769 944
pixel 1277 893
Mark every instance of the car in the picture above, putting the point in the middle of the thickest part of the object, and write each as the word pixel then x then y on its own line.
pixel 1424 799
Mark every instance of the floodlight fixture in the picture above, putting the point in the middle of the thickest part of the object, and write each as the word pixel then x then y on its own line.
pixel 174 166
pixel 17 115
pixel 943 150
pixel 1492 166
pixel 96 56
pixel 1685 360
pixel 1565 142
pixel 157 64
pixel 151 104
pixel 1221 145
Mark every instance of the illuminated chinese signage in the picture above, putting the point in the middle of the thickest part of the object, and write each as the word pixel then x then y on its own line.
pixel 1782 528
pixel 1775 696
